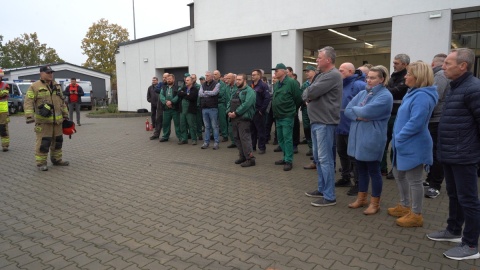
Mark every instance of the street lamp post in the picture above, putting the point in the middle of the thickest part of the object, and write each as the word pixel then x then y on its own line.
pixel 134 29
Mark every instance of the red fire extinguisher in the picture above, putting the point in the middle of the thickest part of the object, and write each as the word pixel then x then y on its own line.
pixel 147 125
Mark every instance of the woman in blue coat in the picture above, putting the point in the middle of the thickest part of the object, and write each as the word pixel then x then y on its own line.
pixel 412 143
pixel 369 111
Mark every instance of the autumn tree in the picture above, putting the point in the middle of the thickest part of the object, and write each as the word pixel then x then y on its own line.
pixel 100 45
pixel 27 50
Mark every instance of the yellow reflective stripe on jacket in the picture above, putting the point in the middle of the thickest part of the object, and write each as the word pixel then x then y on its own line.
pixel 28 111
pixel 39 117
pixel 3 106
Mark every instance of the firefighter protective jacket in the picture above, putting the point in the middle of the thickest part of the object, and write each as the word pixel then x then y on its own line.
pixel 42 93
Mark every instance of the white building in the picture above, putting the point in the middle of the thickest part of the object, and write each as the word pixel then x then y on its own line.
pixel 238 36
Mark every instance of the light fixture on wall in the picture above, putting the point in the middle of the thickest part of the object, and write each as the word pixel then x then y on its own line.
pixel 435 15
pixel 284 33
pixel 368 44
pixel 343 35
pixel 145 60
pixel 123 61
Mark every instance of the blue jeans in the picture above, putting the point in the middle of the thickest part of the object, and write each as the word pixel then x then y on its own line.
pixel 210 119
pixel 367 170
pixel 322 143
pixel 464 206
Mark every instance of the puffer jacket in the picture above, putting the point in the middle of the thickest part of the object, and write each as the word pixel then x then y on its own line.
pixel 42 93
pixel 459 126
pixel 351 87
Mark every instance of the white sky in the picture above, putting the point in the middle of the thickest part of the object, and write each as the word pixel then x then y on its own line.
pixel 62 24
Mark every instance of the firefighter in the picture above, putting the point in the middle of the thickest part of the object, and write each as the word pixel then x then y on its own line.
pixel 45 105
pixel 4 119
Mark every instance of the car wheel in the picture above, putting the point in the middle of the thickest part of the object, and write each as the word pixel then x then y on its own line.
pixel 20 107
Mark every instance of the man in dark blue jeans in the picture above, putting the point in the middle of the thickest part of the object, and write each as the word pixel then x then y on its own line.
pixel 258 122
pixel 459 152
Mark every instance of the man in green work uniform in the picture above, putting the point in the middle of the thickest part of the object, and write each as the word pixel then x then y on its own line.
pixel 169 100
pixel 286 99
pixel 188 115
pixel 231 89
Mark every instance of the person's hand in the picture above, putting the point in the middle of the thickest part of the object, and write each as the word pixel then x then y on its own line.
pixel 30 120
pixel 168 103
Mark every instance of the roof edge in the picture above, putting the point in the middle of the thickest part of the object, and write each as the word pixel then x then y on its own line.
pixel 156 36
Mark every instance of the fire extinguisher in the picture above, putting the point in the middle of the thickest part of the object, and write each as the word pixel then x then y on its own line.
pixel 147 125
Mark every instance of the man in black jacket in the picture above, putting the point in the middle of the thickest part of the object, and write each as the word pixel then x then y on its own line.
pixel 398 89
pixel 152 98
pixel 458 149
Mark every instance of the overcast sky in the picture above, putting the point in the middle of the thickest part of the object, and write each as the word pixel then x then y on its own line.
pixel 63 24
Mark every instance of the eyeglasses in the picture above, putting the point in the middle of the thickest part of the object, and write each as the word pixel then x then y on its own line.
pixel 49 72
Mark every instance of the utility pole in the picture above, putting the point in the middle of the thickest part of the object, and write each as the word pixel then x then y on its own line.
pixel 134 29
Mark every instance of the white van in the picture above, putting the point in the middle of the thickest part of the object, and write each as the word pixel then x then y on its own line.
pixel 86 101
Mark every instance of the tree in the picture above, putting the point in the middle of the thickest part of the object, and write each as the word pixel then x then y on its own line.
pixel 27 50
pixel 100 45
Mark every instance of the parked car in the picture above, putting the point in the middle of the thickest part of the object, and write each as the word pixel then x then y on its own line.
pixel 18 89
pixel 86 101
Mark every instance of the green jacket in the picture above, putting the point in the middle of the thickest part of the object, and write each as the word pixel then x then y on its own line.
pixel 248 97
pixel 287 98
pixel 223 93
pixel 169 93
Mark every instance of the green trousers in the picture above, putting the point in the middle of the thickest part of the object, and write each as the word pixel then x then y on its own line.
pixel 285 137
pixel 168 115
pixel 222 120
pixel 188 122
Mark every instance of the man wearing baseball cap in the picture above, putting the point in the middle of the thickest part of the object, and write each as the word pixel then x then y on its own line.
pixel 45 105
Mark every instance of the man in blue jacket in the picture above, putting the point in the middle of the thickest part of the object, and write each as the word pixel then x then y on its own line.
pixel 353 83
pixel 458 149
pixel 261 104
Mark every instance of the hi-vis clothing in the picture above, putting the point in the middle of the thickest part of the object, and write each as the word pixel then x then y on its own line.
pixel 4 119
pixel 48 130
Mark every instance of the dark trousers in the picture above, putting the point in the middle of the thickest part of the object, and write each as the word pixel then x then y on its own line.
pixel 383 164
pixel 153 118
pixel 436 175
pixel 464 205
pixel 370 170
pixel 258 131
pixel 347 162
pixel 243 137
pixel 158 119
pixel 296 130
pixel 270 122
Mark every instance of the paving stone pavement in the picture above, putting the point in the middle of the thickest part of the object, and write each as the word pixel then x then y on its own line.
pixel 126 202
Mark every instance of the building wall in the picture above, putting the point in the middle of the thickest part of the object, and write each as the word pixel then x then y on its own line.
pixel 413 32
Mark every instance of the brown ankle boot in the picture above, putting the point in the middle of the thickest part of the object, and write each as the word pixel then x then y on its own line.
pixel 360 202
pixel 398 211
pixel 374 206
pixel 410 220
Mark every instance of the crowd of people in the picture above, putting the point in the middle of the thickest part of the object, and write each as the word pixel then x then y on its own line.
pixel 426 115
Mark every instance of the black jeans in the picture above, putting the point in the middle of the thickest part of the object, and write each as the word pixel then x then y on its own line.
pixel 436 175
pixel 258 131
pixel 464 205
pixel 296 130
pixel 347 162
pixel 270 122
pixel 153 109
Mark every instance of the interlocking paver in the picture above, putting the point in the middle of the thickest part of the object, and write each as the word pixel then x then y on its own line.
pixel 128 202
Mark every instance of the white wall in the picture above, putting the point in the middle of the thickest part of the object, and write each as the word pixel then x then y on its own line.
pixel 287 48
pixel 421 37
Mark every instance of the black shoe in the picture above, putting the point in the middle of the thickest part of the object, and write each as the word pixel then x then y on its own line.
pixel 240 160
pixel 280 162
pixel 278 149
pixel 295 149
pixel 248 163
pixel 163 140
pixel 426 184
pixel 311 158
pixel 154 137
pixel 182 142
pixel 60 163
pixel 353 191
pixel 275 142
pixel 225 139
pixel 232 146
pixel 261 151
pixel 344 182
pixel 309 153
pixel 5 149
pixel 390 175
pixel 287 167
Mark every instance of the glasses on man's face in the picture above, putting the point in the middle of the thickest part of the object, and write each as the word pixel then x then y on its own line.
pixel 49 72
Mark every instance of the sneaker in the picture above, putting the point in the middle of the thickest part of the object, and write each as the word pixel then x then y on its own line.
pixel 204 146
pixel 444 236
pixel 240 160
pixel 353 191
pixel 42 167
pixel 432 193
pixel 248 163
pixel 232 146
pixel 278 149
pixel 323 202
pixel 314 194
pixel 154 137
pixel 343 182
pixel 287 166
pixel 215 146
pixel 426 184
pixel 462 252
pixel 280 162
pixel 398 211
